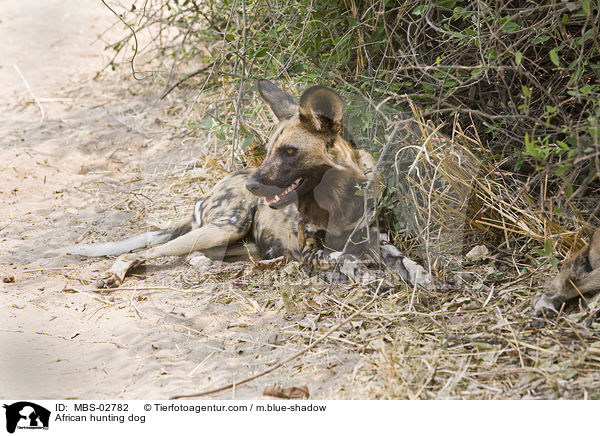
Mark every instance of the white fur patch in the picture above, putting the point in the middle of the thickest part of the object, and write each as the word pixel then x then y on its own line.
pixel 416 273
pixel 544 304
pixel 198 213
pixel 391 251
pixel 199 261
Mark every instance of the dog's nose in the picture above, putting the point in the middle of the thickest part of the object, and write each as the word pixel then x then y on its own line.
pixel 252 185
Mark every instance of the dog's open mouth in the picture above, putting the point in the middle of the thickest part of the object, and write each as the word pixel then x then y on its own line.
pixel 286 196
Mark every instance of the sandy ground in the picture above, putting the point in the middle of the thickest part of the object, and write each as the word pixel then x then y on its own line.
pixel 85 172
pixel 109 159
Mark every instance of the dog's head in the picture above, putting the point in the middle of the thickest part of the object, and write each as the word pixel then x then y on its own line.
pixel 304 145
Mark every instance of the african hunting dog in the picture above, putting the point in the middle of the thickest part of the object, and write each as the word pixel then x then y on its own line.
pixel 579 276
pixel 301 202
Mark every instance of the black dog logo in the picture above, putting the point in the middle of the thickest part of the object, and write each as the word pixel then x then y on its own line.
pixel 26 415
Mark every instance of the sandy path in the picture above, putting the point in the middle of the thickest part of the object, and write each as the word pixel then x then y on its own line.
pixel 80 174
pixel 50 42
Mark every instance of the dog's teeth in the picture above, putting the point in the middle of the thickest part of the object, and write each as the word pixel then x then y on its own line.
pixel 277 198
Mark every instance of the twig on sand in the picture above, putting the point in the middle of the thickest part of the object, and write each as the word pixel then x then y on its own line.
pixel 145 288
pixel 60 268
pixel 37 102
pixel 289 359
pixel 186 77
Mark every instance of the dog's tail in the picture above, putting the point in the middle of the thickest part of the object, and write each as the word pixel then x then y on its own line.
pixel 142 240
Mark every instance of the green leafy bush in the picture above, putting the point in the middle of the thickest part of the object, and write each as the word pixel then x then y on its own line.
pixel 523 74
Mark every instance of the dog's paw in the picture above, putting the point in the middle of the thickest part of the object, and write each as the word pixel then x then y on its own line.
pixel 108 282
pixel 200 261
pixel 356 270
pixel 115 276
pixel 445 286
pixel 417 275
pixel 544 306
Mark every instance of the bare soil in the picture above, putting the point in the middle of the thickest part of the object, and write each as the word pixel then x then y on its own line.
pixel 105 161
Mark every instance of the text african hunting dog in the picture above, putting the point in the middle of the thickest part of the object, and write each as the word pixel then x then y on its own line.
pixel 579 276
pixel 301 202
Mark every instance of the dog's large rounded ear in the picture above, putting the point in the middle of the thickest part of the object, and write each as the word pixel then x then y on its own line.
pixel 321 110
pixel 281 103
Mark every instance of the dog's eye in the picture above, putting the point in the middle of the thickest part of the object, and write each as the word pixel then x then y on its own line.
pixel 290 151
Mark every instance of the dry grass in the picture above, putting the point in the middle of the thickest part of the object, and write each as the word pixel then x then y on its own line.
pixel 454 187
pixel 478 342
pixel 473 342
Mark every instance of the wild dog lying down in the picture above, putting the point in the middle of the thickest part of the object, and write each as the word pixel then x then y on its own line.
pixel 578 276
pixel 301 202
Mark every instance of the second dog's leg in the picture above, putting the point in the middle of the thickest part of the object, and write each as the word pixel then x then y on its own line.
pixel 551 302
pixel 579 275
pixel 208 236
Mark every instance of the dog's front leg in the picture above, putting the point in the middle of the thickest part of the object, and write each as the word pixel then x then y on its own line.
pixel 567 286
pixel 408 270
pixel 323 259
pixel 578 276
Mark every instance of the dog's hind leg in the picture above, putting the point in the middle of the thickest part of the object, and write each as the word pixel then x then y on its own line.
pixel 143 240
pixel 207 237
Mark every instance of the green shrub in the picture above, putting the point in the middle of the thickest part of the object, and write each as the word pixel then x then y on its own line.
pixel 524 74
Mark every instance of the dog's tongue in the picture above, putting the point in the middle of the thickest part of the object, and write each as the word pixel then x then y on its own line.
pixel 271 200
